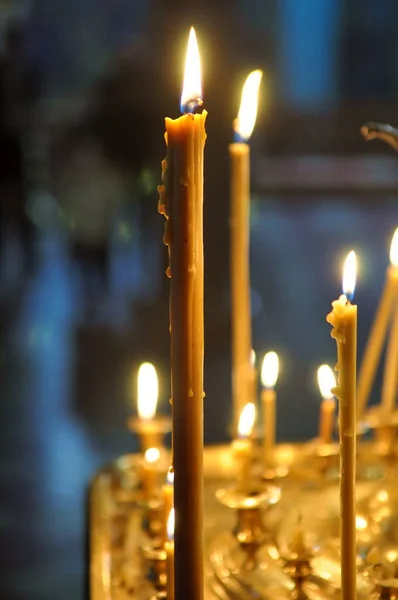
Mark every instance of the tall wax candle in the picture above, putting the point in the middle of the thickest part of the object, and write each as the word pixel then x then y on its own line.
pixel 326 382
pixel 269 377
pixel 181 201
pixel 390 380
pixel 242 447
pixel 378 332
pixel 343 318
pixel 239 151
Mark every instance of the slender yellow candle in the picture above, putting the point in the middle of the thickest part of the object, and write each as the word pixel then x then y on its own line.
pixel 168 501
pixel 326 382
pixel 181 201
pixel 343 318
pixel 150 472
pixel 242 447
pixel 390 380
pixel 378 332
pixel 269 377
pixel 170 562
pixel 240 245
pixel 253 391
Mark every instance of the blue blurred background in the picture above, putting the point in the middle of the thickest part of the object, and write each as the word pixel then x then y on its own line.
pixel 84 89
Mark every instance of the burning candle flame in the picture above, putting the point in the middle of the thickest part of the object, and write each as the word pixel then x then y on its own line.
pixel 270 369
pixel 147 385
pixel 326 381
pixel 244 123
pixel 253 358
pixel 170 477
pixel 349 275
pixel 191 96
pixel 394 249
pixel 152 455
pixel 246 420
pixel 171 524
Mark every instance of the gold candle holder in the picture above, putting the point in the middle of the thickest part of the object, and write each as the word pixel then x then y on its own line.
pixel 249 531
pixel 150 431
pixel 155 557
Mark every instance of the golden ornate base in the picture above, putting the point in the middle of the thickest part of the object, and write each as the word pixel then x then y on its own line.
pixel 126 562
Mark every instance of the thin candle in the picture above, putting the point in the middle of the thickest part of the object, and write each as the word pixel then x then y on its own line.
pixel 327 383
pixel 269 377
pixel 170 561
pixel 343 318
pixel 150 472
pixel 242 447
pixel 240 244
pixel 378 332
pixel 181 202
pixel 168 501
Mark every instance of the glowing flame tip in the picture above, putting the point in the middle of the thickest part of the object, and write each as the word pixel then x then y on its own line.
pixel 326 381
pixel 152 455
pixel 270 369
pixel 247 115
pixel 246 420
pixel 394 249
pixel 349 275
pixel 147 385
pixel 171 524
pixel 191 96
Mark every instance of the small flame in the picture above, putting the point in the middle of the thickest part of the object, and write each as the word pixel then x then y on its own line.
pixel 244 124
pixel 349 275
pixel 253 358
pixel 270 369
pixel 171 524
pixel 147 391
pixel 191 96
pixel 246 420
pixel 152 455
pixel 394 249
pixel 326 381
pixel 170 477
pixel 361 522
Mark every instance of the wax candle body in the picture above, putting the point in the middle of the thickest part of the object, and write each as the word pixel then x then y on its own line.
pixel 170 566
pixel 376 339
pixel 242 450
pixel 181 201
pixel 268 399
pixel 390 380
pixel 344 320
pixel 242 376
pixel 326 422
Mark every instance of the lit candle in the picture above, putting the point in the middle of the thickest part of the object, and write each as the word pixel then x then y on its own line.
pixel 242 447
pixel 181 201
pixel 170 563
pixel 269 377
pixel 326 382
pixel 168 502
pixel 378 332
pixel 147 399
pixel 343 318
pixel 150 472
pixel 240 243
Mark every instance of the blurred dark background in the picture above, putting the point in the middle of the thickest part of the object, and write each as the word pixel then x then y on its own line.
pixel 84 89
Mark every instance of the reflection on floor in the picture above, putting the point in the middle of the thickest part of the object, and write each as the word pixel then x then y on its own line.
pixel 66 381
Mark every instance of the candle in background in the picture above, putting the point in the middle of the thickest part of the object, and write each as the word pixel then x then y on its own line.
pixel 253 393
pixel 240 245
pixel 378 332
pixel 168 502
pixel 181 202
pixel 242 447
pixel 170 563
pixel 390 379
pixel 269 377
pixel 147 399
pixel 326 382
pixel 150 472
pixel 343 318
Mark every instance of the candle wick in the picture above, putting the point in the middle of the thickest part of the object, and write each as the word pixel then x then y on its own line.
pixel 191 105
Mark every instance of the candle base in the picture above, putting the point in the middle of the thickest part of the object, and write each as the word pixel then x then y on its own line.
pixel 150 432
